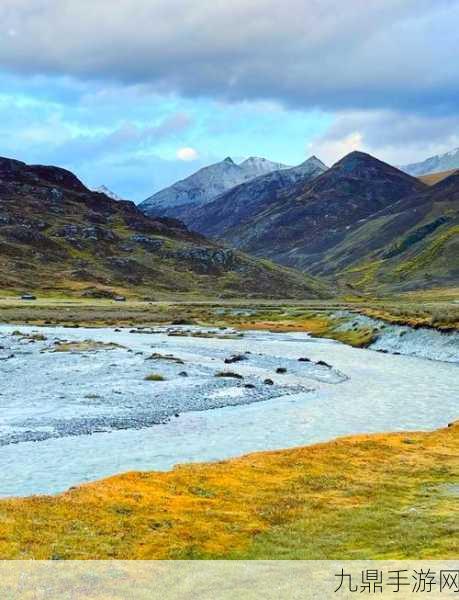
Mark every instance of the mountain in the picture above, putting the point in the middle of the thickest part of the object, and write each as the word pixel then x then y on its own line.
pixel 304 224
pixel 412 244
pixel 246 200
pixel 103 189
pixel 58 236
pixel 255 166
pixel 435 164
pixel 206 184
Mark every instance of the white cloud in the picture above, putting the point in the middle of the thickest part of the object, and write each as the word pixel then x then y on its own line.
pixel 331 150
pixel 395 137
pixel 187 154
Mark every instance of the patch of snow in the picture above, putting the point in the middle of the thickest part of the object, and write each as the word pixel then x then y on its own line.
pixel 103 189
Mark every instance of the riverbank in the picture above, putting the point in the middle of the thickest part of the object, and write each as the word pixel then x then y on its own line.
pixel 316 317
pixel 391 496
pixel 81 404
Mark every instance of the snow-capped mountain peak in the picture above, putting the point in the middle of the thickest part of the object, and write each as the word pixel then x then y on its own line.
pixel 310 165
pixel 434 164
pixel 243 202
pixel 256 165
pixel 206 184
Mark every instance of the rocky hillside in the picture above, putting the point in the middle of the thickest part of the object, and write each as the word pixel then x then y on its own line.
pixel 205 185
pixel 304 225
pixel 56 235
pixel 245 201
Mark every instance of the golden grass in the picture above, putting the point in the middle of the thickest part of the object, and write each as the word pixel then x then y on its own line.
pixel 318 325
pixel 84 346
pixel 366 496
pixel 433 178
pixel 316 317
pixel 443 318
pixel 447 294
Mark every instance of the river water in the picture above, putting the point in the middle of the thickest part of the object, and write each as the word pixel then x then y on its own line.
pixel 72 417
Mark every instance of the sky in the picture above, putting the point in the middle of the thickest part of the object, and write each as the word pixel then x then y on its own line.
pixel 135 94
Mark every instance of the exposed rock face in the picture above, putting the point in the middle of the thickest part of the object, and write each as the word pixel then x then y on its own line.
pixel 208 259
pixel 149 243
pixel 205 185
pixel 245 201
pixel 93 233
pixel 57 234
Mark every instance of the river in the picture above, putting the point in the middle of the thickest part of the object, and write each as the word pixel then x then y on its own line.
pixel 72 417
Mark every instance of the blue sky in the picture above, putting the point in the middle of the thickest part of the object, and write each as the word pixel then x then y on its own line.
pixel 139 93
pixel 131 139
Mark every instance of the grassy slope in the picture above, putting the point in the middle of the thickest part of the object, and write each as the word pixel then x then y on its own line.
pixel 433 178
pixel 149 275
pixel 375 496
pixel 407 248
pixel 56 236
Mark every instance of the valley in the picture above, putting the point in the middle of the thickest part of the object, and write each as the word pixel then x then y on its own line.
pixel 229 299
pixel 296 307
pixel 69 417
pixel 361 224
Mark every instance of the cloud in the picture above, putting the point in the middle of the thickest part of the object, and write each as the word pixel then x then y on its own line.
pixel 330 149
pixel 187 154
pixel 126 137
pixel 396 137
pixel 90 84
pixel 383 54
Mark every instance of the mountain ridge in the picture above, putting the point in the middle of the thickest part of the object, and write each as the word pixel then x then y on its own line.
pixel 301 226
pixel 411 244
pixel 206 184
pixel 247 199
pixel 58 236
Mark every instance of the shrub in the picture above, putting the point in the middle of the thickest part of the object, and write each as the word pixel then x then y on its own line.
pixel 154 377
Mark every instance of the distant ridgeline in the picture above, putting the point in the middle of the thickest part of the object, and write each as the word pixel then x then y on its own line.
pixel 363 223
pixel 362 226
